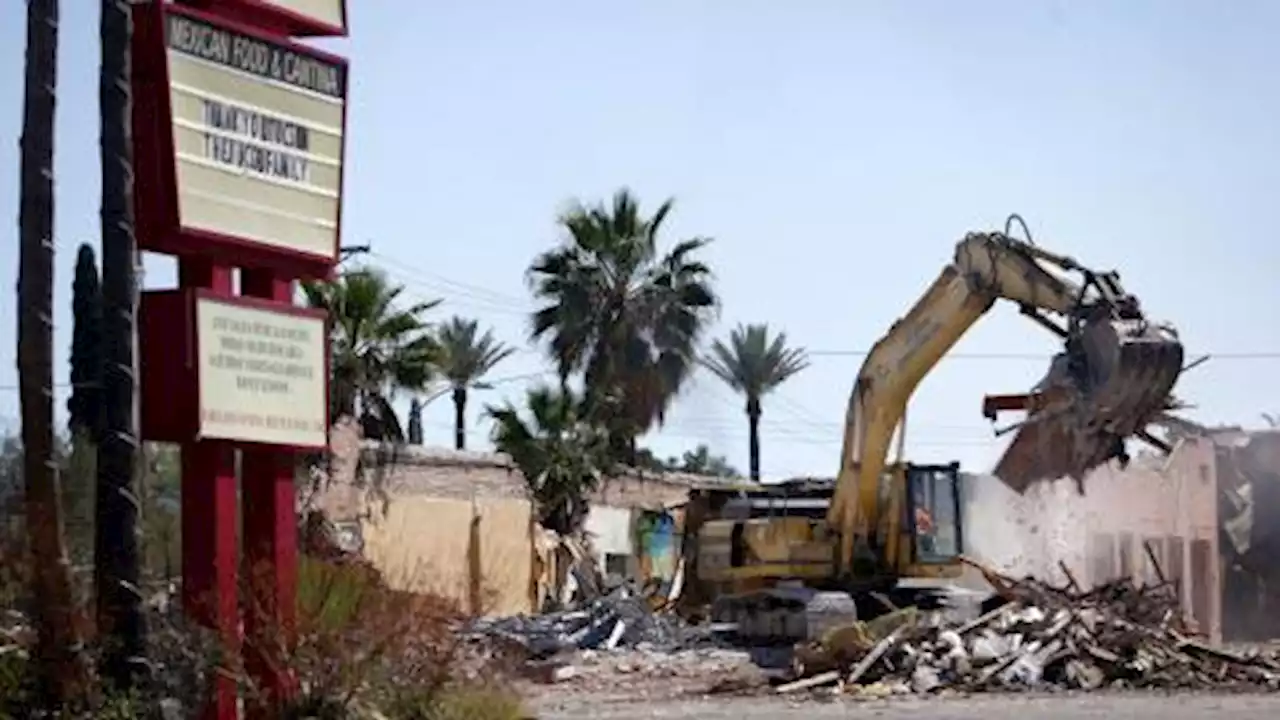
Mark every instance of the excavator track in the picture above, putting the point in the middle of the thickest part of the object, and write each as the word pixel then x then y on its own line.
pixel 1114 378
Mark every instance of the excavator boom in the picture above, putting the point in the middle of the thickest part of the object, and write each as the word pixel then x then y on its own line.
pixel 1115 374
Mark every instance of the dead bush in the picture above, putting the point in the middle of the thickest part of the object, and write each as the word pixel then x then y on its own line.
pixel 180 655
pixel 465 702
pixel 361 644
pixel 356 645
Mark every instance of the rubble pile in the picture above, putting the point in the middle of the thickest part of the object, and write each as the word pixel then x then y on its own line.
pixel 620 619
pixel 1119 635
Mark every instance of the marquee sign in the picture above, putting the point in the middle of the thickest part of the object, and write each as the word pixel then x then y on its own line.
pixel 291 17
pixel 238 154
pixel 246 133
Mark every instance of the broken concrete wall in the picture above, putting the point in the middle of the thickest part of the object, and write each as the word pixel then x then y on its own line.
pixel 1248 465
pixel 1169 502
pixel 610 530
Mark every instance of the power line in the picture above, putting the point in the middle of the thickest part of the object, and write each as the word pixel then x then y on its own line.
pixel 15 387
pixel 507 303
pixel 454 296
pixel 470 289
pixel 1248 355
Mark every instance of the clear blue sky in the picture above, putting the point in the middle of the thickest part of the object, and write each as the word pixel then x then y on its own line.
pixel 835 149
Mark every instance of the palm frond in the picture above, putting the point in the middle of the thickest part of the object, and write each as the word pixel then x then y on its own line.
pixel 752 363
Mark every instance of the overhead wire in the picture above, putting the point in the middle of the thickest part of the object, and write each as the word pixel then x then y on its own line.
pixel 480 298
pixel 486 298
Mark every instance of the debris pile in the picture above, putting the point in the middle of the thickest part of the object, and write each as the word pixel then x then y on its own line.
pixel 620 619
pixel 1119 635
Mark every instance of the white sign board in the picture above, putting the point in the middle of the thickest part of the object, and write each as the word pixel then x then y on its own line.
pixel 262 375
pixel 329 12
pixel 257 130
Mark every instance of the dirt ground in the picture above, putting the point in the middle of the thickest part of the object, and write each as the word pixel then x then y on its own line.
pixel 1098 706
pixel 726 685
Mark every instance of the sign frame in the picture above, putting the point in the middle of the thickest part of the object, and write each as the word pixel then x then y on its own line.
pixel 171 403
pixel 264 13
pixel 156 163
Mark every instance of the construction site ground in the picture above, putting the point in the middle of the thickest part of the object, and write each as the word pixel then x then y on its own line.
pixel 718 684
pixel 1121 649
pixel 1090 706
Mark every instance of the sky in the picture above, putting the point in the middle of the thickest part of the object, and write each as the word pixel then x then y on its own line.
pixel 836 151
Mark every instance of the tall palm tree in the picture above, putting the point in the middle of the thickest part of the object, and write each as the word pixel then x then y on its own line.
pixel 63 670
pixel 561 456
pixel 117 557
pixel 465 357
pixel 378 348
pixel 625 315
pixel 754 366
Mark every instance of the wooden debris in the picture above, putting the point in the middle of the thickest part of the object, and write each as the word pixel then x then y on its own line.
pixel 1120 634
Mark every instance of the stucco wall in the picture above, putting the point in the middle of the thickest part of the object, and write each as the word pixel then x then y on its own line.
pixel 1171 502
pixel 422 540
pixel 428 544
pixel 444 473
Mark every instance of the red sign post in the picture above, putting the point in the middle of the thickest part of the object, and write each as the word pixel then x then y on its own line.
pixel 239 138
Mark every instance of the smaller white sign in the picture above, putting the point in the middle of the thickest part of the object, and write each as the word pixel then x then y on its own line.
pixel 262 375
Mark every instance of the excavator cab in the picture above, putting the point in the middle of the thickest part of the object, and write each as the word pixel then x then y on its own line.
pixel 933 515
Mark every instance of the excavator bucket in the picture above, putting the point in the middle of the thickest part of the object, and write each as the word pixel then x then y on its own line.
pixel 1104 389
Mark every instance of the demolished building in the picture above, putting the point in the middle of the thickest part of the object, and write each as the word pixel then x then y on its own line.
pixel 1248 478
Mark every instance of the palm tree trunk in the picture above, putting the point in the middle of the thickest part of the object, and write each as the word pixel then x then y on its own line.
pixel 61 662
pixel 116 557
pixel 415 422
pixel 460 418
pixel 753 428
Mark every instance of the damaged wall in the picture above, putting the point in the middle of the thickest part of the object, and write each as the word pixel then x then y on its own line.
pixel 1248 464
pixel 423 540
pixel 610 531
pixel 1170 502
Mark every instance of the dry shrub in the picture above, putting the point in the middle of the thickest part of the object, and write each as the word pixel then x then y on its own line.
pixel 474 702
pixel 180 655
pixel 361 644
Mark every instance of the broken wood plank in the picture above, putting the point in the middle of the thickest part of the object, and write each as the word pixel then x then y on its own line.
pixel 825 678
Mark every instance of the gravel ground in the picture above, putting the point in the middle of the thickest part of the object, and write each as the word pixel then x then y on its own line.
pixel 1098 706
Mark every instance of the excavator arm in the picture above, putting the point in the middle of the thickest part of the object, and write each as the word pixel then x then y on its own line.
pixel 1083 399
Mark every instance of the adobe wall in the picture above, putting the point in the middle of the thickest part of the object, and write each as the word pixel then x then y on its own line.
pixel 425 540
pixel 462 475
pixel 478 553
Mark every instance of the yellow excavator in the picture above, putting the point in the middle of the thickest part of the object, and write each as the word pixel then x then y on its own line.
pixel 782 562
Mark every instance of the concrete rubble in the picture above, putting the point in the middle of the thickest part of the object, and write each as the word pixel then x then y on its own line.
pixel 1037 637
pixel 1119 635
pixel 620 619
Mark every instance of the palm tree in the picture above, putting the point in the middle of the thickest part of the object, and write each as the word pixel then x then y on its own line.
pixel 561 455
pixel 624 315
pixel 465 357
pixel 378 348
pixel 63 671
pixel 753 365
pixel 117 557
